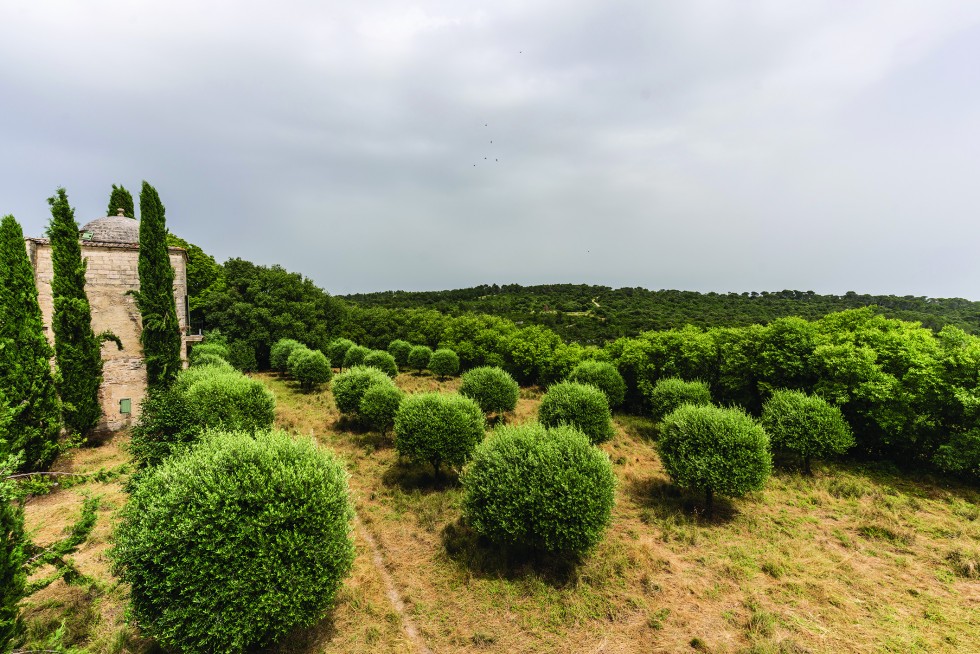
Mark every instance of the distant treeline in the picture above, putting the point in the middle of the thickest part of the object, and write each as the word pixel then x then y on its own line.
pixel 597 314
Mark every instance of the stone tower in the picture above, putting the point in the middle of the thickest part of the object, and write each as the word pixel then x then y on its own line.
pixel 110 245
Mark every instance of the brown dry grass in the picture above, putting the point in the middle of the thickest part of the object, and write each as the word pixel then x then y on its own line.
pixel 850 560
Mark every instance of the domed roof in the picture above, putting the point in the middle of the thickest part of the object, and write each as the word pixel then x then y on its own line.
pixel 111 229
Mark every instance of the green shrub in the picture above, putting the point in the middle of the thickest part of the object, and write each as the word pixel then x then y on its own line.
pixel 337 350
pixel 444 363
pixel 604 376
pixel 714 450
pixel 805 425
pixel 400 350
pixel 379 405
pixel 279 353
pixel 235 542
pixel 383 361
pixel 355 356
pixel 543 489
pixel 312 369
pixel 218 350
pixel 418 357
pixel 961 455
pixel 241 356
pixel 581 406
pixel 349 387
pixel 294 358
pixel 492 388
pixel 670 393
pixel 436 428
pixel 164 426
pixel 230 400
pixel 208 359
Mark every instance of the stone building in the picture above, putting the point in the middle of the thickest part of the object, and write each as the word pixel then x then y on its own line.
pixel 110 245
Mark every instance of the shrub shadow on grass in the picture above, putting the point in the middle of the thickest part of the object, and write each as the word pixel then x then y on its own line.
pixel 664 500
pixel 411 477
pixel 351 425
pixel 304 639
pixel 489 560
pixel 375 440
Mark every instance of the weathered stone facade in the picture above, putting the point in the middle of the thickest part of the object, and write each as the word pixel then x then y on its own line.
pixel 112 271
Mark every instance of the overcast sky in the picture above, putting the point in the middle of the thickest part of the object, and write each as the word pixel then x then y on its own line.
pixel 725 146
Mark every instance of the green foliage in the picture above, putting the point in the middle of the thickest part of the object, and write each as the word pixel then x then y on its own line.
pixel 805 425
pixel 77 350
pixel 437 428
pixel 355 356
pixel 160 336
pixel 380 404
pixel 120 198
pixel 671 393
pixel 538 488
pixel 204 275
pixel 444 363
pixel 715 450
pixel 241 355
pixel 312 369
pixel 492 388
pixel 383 361
pixel 26 383
pixel 295 355
pixel 349 387
pixel 280 351
pixel 236 542
pixel 165 425
pixel 337 350
pixel 961 455
pixel 210 350
pixel 13 576
pixel 581 406
pixel 604 376
pixel 400 350
pixel 418 357
pixel 208 359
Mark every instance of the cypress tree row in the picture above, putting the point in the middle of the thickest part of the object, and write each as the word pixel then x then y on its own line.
pixel 77 350
pixel 155 299
pixel 121 199
pixel 25 369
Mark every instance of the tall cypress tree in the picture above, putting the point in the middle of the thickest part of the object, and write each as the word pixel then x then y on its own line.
pixel 121 199
pixel 155 299
pixel 77 350
pixel 25 355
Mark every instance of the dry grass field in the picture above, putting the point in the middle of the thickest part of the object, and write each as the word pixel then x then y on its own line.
pixel 853 559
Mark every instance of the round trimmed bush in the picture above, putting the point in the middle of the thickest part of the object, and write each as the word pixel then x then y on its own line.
pixel 584 407
pixel 379 405
pixel 438 428
pixel 234 543
pixel 337 350
pixel 418 357
pixel 294 357
pixel 400 350
pixel 544 489
pixel 208 359
pixel 165 425
pixel 279 353
pixel 355 356
pixel 312 369
pixel 349 387
pixel 714 450
pixel 805 425
pixel 211 350
pixel 383 361
pixel 604 376
pixel 492 388
pixel 670 393
pixel 230 400
pixel 444 363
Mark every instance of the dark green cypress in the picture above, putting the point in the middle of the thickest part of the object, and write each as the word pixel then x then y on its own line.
pixel 155 299
pixel 13 577
pixel 25 357
pixel 77 350
pixel 121 199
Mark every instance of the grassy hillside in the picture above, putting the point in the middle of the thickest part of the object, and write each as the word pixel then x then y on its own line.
pixel 853 559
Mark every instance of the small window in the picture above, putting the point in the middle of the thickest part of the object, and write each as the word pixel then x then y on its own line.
pixel 125 405
pixel 86 236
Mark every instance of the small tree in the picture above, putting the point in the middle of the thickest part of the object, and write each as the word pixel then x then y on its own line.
pixel 714 450
pixel 604 376
pixel 349 387
pixel 337 351
pixel 492 388
pixel 295 356
pixel 120 198
pixel 436 428
pixel 280 351
pixel 670 393
pixel 418 357
pixel 444 363
pixel 383 361
pixel 806 425
pixel 77 349
pixel 355 356
pixel 400 350
pixel 583 407
pixel 543 489
pixel 312 370
pixel 234 543
pixel 379 405
pixel 161 330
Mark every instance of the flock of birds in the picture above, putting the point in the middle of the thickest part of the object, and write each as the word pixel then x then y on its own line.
pixel 491 143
